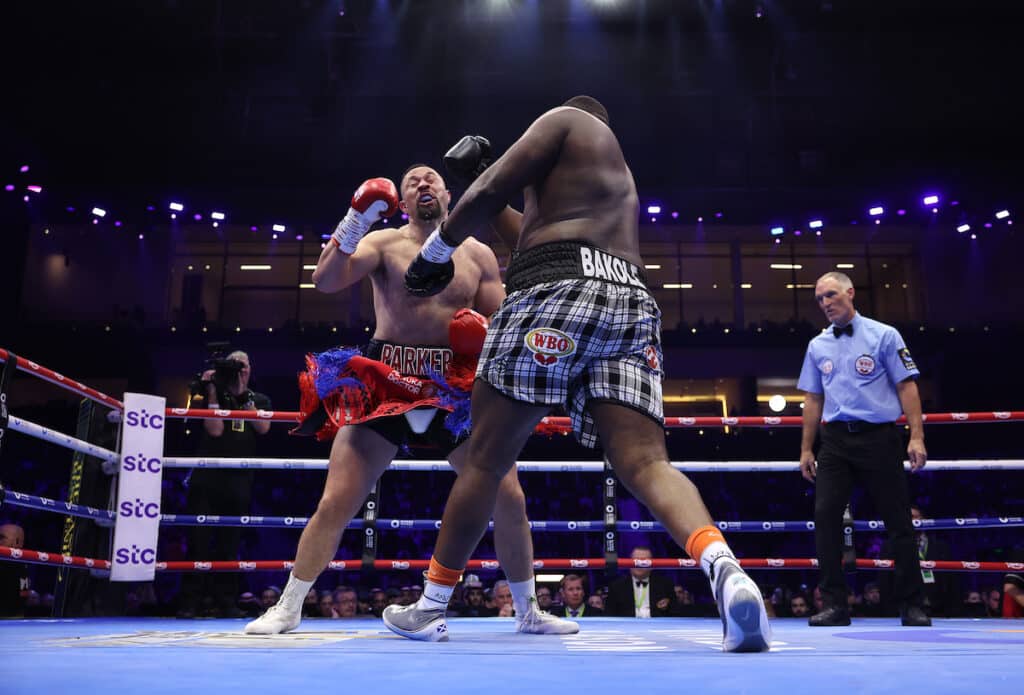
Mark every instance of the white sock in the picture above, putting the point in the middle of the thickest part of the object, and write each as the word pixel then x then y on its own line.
pixel 435 596
pixel 522 592
pixel 715 551
pixel 295 590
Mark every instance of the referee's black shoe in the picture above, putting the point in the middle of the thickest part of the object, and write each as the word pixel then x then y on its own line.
pixel 914 616
pixel 830 617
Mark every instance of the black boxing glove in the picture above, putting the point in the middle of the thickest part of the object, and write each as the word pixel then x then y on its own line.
pixel 433 268
pixel 468 158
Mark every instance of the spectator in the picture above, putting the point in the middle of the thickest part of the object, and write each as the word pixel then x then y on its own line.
pixel 973 606
pixel 544 601
pixel 309 606
pixel 12 574
pixel 249 605
pixel 993 603
pixel 503 599
pixel 346 602
pixel 641 594
pixel 269 596
pixel 798 607
pixel 472 605
pixel 1013 596
pixel 574 594
pixel 871 602
pixel 325 605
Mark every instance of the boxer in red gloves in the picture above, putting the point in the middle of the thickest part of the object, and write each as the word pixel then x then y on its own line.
pixel 410 385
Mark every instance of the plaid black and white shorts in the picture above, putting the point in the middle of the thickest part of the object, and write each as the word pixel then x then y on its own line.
pixel 571 341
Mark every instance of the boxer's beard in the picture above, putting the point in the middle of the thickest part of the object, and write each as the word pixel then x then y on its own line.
pixel 430 211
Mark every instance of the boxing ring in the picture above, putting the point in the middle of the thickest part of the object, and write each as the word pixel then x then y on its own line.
pixel 160 655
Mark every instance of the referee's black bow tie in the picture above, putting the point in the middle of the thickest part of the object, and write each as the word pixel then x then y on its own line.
pixel 847 329
pixel 640 582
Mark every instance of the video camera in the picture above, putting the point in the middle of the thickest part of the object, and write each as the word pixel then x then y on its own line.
pixel 224 370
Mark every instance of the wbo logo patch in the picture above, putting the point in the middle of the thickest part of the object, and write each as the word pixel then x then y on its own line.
pixel 865 365
pixel 548 345
pixel 651 354
pixel 906 359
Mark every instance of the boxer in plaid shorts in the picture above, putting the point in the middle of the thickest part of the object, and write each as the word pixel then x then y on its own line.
pixel 578 328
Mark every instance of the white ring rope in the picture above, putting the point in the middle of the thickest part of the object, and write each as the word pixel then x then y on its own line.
pixel 60 439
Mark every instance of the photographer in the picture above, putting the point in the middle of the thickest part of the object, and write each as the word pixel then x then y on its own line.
pixel 224 492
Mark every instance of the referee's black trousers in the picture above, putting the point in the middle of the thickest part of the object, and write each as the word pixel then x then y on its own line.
pixel 872 457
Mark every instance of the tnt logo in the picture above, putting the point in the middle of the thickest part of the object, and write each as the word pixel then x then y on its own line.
pixel 489 564
pixel 776 562
pixel 642 562
pixel 578 564
pixel 145 420
pixel 548 345
pixel 138 509
pixel 135 555
pixel 202 565
pixel 141 463
pixel 246 565
pixel 399 565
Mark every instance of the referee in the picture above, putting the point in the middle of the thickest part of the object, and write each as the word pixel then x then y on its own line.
pixel 859 374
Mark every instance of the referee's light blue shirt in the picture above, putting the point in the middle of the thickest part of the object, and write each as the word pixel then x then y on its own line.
pixel 858 374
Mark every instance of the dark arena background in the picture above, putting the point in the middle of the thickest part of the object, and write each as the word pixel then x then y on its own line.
pixel 172 170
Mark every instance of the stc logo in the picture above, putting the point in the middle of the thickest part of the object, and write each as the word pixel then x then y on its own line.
pixel 135 555
pixel 144 420
pixel 141 463
pixel 139 509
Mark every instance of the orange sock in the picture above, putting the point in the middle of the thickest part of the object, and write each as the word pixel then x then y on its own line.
pixel 439 574
pixel 701 538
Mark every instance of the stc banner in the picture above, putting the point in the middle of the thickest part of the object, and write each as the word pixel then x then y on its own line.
pixel 138 489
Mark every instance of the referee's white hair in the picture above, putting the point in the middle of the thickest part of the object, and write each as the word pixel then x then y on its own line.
pixel 842 278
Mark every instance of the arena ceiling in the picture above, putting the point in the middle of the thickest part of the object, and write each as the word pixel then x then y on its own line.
pixel 288 104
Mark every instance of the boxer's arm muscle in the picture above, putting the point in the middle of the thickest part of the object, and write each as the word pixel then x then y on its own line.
pixel 524 163
pixel 336 270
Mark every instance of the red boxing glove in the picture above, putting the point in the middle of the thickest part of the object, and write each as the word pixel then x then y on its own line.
pixel 467 331
pixel 372 202
pixel 379 194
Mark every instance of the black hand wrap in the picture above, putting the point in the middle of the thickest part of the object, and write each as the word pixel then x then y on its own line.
pixel 468 158
pixel 425 278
